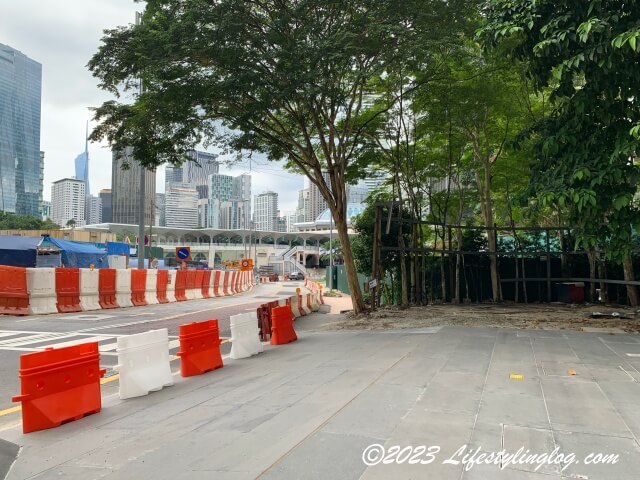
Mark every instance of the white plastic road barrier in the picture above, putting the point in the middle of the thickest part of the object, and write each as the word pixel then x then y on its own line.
pixel 151 288
pixel 294 307
pixel 117 261
pixel 315 306
pixel 245 340
pixel 123 287
pixel 41 285
pixel 302 305
pixel 143 363
pixel 171 286
pixel 89 295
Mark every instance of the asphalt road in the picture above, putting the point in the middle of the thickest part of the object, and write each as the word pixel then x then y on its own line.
pixel 19 335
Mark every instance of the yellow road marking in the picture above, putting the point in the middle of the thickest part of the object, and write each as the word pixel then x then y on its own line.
pixel 103 381
pixel 10 410
pixel 516 376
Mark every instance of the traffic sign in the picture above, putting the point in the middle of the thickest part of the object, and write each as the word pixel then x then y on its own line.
pixel 246 264
pixel 183 253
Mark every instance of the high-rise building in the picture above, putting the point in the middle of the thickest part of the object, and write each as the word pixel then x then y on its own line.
pixel 203 213
pixel 20 110
pixel 195 171
pixel 82 164
pixel 317 204
pixel 173 174
pixel 198 169
pixel 290 220
pixel 68 202
pixel 220 190
pixel 125 189
pixel 46 209
pixel 105 201
pixel 160 210
pixel 241 197
pixel 93 210
pixel 303 212
pixel 266 211
pixel 181 206
pixel 357 193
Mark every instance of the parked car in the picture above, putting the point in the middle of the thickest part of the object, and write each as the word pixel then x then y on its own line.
pixel 296 276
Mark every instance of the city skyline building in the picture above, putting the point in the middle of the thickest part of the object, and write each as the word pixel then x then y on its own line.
pixel 82 164
pixel 68 202
pixel 21 160
pixel 105 205
pixel 125 189
pixel 93 209
pixel 266 211
pixel 160 209
pixel 181 206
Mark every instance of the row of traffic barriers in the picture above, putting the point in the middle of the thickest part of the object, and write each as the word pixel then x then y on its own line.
pixel 298 305
pixel 63 384
pixel 36 291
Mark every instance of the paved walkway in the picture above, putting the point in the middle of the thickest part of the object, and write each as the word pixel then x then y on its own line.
pixel 308 410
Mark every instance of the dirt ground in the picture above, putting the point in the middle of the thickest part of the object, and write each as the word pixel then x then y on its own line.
pixel 532 316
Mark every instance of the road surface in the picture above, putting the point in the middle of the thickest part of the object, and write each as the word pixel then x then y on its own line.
pixel 19 335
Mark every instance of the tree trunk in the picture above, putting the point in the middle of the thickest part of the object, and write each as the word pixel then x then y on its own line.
pixel 350 266
pixel 404 297
pixel 629 276
pixel 456 298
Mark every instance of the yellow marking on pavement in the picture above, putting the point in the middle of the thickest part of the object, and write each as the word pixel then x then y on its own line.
pixel 516 376
pixel 10 410
pixel 103 381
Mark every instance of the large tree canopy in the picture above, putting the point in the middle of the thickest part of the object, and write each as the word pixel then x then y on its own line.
pixel 587 55
pixel 286 78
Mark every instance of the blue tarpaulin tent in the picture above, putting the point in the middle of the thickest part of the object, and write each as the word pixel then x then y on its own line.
pixel 80 255
pixel 118 248
pixel 19 251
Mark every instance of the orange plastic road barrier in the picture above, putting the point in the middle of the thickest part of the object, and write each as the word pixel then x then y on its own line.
pixel 59 385
pixel 225 283
pixel 107 288
pixel 191 279
pixel 68 289
pixel 199 348
pixel 14 298
pixel 138 287
pixel 181 285
pixel 206 281
pixel 282 326
pixel 161 286
pixel 200 281
pixel 216 283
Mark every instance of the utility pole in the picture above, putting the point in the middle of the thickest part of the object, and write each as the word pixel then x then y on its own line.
pixel 142 192
pixel 331 250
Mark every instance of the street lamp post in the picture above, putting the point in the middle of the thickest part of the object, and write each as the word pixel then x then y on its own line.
pixel 330 251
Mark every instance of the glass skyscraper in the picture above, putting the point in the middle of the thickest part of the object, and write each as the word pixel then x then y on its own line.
pixel 20 160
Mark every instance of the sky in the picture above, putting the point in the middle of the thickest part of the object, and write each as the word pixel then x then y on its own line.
pixel 62 35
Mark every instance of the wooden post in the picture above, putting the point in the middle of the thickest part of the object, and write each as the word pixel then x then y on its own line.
pixel 548 267
pixel 375 263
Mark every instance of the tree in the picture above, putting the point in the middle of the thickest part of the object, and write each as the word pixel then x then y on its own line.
pixel 286 78
pixel 71 223
pixel 586 55
pixel 11 221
